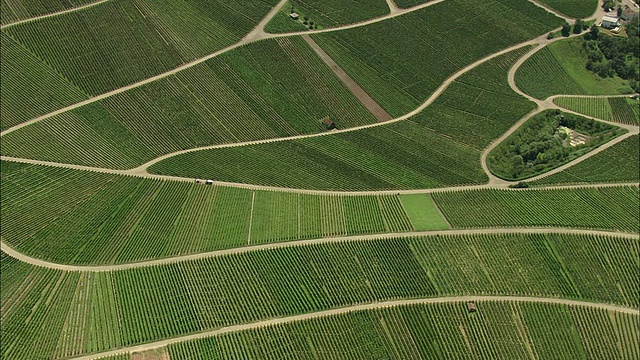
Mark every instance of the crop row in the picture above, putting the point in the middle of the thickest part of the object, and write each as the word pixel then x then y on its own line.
pixel 618 163
pixel 499 330
pixel 83 217
pixel 611 208
pixel 438 147
pixel 15 10
pixel 400 62
pixel 53 314
pixel 578 9
pixel 622 110
pixel 264 90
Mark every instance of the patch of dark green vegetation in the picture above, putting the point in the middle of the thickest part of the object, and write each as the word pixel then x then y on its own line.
pixel 548 140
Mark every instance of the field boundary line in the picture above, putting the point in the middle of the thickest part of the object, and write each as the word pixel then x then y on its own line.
pixel 7 25
pixel 362 307
pixel 435 205
pixel 253 201
pixel 9 250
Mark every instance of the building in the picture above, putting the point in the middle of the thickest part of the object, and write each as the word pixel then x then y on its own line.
pixel 294 16
pixel 610 22
pixel 628 14
pixel 471 307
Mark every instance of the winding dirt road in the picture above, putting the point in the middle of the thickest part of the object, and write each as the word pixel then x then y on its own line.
pixel 363 307
pixel 7 249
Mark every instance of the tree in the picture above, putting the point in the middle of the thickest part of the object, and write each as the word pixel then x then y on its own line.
pixel 619 11
pixel 608 5
pixel 594 32
pixel 577 27
pixel 566 29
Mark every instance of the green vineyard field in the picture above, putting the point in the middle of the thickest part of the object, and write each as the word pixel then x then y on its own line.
pixel 559 68
pixel 403 4
pixel 269 89
pixel 612 208
pixel 119 42
pixel 440 146
pixel 130 219
pixel 499 330
pixel 370 55
pixel 16 10
pixel 325 14
pixel 616 164
pixel 578 9
pixel 622 110
pixel 55 314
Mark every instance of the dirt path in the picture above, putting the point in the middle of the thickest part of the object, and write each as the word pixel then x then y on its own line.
pixel 4 26
pixel 393 7
pixel 353 86
pixel 7 249
pixel 362 307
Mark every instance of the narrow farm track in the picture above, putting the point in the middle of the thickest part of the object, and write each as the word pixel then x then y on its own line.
pixel 393 8
pixel 256 34
pixel 7 249
pixel 370 306
pixel 4 26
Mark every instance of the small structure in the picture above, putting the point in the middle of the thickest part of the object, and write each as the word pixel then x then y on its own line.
pixel 209 182
pixel 471 307
pixel 628 14
pixel 198 181
pixel 294 16
pixel 329 123
pixel 610 22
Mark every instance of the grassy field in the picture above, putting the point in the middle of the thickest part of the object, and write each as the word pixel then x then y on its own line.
pixel 573 8
pixel 559 68
pixel 121 41
pixel 614 165
pixel 612 208
pixel 15 10
pixel 51 213
pixel 499 330
pixel 325 14
pixel 55 314
pixel 622 110
pixel 269 89
pixel 30 87
pixel 400 62
pixel 416 153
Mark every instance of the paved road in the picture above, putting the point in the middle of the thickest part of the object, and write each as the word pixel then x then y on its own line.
pixel 4 26
pixel 363 307
pixel 7 249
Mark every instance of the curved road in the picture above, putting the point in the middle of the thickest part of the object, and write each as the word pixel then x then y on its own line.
pixel 98 268
pixel 363 307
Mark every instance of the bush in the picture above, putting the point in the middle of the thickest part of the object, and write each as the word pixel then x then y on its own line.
pixel 566 29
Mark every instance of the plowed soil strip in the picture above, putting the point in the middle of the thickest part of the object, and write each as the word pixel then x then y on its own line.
pixel 359 92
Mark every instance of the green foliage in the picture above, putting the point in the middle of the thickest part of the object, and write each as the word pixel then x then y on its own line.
pixel 566 29
pixel 66 314
pixel 371 55
pixel 622 110
pixel 543 143
pixel 611 56
pixel 268 89
pixel 16 10
pixel 619 163
pixel 130 219
pixel 578 26
pixel 573 8
pixel 560 68
pixel 613 208
pixel 403 4
pixel 123 41
pixel 433 331
pixel 325 13
pixel 30 87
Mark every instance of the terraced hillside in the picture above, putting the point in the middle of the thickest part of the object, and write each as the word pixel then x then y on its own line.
pixel 178 181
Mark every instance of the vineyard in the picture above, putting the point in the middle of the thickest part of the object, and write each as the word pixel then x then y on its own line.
pixel 120 42
pixel 69 313
pixel 578 9
pixel 612 208
pixel 130 219
pixel 616 164
pixel 403 4
pixel 269 89
pixel 15 10
pixel 370 54
pixel 500 330
pixel 622 110
pixel 410 154
pixel 30 87
pixel 559 68
pixel 320 14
